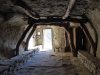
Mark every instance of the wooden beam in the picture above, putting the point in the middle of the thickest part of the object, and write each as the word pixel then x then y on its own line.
pixel 31 22
pixel 71 4
pixel 69 32
pixel 22 38
pixel 93 44
pixel 74 37
pixel 28 38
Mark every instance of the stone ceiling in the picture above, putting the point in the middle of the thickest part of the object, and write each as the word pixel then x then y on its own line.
pixel 56 7
pixel 48 7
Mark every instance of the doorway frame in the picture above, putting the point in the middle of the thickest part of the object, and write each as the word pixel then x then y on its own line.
pixel 52 37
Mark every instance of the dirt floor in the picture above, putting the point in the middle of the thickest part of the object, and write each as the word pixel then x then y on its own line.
pixel 50 63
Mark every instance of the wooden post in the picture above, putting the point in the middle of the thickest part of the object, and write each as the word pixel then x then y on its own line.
pixel 74 41
pixel 31 22
pixel 74 36
pixel 74 27
pixel 28 38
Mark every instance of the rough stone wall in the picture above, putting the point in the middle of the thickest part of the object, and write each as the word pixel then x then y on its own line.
pixel 94 15
pixel 48 7
pixel 56 7
pixel 10 32
pixel 59 37
pixel 12 25
pixel 80 7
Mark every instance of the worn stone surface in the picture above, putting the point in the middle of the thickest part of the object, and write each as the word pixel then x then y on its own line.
pixel 91 63
pixel 56 7
pixel 48 63
pixel 48 7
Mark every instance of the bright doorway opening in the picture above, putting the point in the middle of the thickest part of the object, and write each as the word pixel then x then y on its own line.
pixel 47 39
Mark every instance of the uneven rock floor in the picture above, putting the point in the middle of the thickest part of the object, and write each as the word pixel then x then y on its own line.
pixel 49 63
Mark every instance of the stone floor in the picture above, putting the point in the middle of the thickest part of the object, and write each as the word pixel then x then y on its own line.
pixel 49 63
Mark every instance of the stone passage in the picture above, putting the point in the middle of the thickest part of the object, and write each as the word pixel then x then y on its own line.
pixel 49 63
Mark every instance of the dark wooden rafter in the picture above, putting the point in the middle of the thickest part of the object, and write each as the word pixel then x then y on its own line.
pixel 59 20
pixel 29 36
pixel 31 22
pixel 86 32
pixel 71 4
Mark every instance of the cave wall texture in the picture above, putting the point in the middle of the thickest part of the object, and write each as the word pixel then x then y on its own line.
pixel 93 13
pixel 10 32
pixel 12 23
